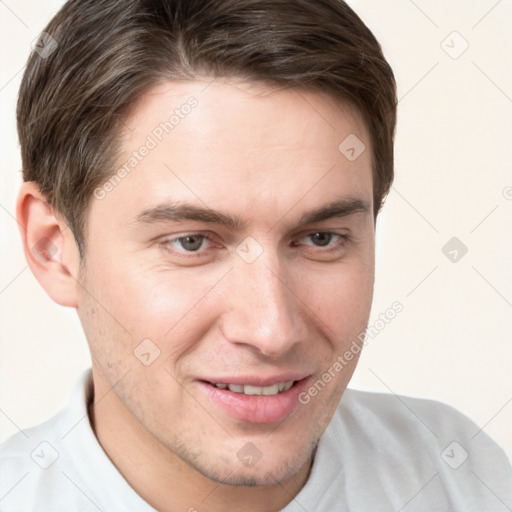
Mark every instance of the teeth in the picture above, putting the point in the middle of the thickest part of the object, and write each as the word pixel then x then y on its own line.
pixel 257 390
pixel 288 385
pixel 269 390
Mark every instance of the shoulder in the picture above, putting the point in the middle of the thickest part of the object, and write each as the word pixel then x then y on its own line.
pixel 31 465
pixel 428 443
pixel 56 465
pixel 417 422
pixel 36 469
pixel 390 452
pixel 35 445
pixel 403 413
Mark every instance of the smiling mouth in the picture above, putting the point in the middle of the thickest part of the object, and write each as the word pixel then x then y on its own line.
pixel 247 389
pixel 256 399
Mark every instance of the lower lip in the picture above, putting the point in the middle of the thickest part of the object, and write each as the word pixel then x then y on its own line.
pixel 256 408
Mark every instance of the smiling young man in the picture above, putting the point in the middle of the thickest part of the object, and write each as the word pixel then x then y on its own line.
pixel 201 182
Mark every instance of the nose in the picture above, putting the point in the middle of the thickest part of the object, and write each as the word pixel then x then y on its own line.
pixel 263 310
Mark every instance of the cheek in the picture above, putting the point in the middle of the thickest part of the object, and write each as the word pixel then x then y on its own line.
pixel 137 328
pixel 169 307
pixel 341 297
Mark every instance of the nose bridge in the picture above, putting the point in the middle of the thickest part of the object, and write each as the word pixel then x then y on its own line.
pixel 264 312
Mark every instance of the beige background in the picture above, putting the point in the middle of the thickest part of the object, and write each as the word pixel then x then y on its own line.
pixel 452 341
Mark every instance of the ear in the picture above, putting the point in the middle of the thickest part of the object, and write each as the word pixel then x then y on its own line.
pixel 50 248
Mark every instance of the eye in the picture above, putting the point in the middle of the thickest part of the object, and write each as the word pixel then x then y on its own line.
pixel 325 239
pixel 321 239
pixel 188 243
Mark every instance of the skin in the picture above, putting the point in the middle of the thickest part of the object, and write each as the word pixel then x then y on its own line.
pixel 266 157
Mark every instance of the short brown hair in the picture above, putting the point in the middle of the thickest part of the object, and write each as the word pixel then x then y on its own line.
pixel 109 52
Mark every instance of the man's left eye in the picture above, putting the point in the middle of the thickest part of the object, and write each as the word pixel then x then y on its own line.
pixel 324 238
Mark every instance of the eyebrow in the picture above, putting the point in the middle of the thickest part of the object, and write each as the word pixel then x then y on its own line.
pixel 179 212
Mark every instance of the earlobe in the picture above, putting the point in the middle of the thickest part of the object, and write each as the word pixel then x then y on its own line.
pixel 49 245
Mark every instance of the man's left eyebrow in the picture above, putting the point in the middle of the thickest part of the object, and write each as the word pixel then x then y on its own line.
pixel 336 209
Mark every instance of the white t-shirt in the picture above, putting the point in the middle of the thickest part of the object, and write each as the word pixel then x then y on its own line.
pixel 380 453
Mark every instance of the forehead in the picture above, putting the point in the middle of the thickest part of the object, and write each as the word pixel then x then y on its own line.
pixel 226 105
pixel 241 144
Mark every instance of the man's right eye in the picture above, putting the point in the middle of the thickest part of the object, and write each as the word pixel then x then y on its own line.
pixel 190 243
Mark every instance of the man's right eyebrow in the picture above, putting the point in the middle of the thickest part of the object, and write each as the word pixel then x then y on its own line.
pixel 179 212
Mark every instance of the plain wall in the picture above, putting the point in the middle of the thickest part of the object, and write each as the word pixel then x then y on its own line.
pixel 452 341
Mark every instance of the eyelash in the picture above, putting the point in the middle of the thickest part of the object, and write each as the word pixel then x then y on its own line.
pixel 342 240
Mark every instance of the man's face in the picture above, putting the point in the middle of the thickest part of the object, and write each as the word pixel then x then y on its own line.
pixel 237 254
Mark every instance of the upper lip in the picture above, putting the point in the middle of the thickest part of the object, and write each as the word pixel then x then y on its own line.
pixel 257 380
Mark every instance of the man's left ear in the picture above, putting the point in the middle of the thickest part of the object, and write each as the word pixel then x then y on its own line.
pixel 50 248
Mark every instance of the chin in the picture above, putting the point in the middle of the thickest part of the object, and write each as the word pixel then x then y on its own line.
pixel 262 473
pixel 251 477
